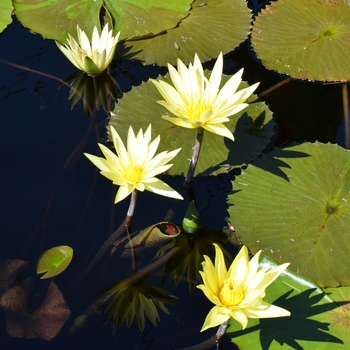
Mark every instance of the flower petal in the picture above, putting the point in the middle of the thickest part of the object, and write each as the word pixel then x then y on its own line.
pixel 123 192
pixel 192 92
pixel 163 189
pixel 216 316
pixel 266 310
pixel 240 316
pixel 219 129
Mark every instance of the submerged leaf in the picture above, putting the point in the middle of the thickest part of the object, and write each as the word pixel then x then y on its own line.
pixel 9 270
pixel 54 261
pixel 44 323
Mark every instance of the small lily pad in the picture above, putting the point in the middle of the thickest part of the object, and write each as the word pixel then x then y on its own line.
pixel 54 261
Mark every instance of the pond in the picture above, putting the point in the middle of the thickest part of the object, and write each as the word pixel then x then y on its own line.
pixel 53 195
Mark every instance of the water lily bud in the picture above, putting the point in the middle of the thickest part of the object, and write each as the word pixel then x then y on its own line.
pixel 191 221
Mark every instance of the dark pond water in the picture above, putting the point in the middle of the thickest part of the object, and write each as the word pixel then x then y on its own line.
pixel 52 195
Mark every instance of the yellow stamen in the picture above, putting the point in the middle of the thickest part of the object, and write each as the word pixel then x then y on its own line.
pixel 195 110
pixel 133 173
pixel 231 294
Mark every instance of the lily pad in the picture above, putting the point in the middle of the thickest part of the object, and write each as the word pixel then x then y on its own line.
pixel 5 14
pixel 146 17
pixel 308 327
pixel 211 26
pixel 54 261
pixel 293 204
pixel 54 19
pixel 340 317
pixel 305 39
pixel 253 129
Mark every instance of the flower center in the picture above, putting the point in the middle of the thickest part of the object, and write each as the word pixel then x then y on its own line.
pixel 196 109
pixel 133 173
pixel 231 294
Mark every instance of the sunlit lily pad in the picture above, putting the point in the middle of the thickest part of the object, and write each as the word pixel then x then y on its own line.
pixel 146 17
pixel 305 39
pixel 210 27
pixel 293 203
pixel 253 128
pixel 340 317
pixel 5 14
pixel 54 19
pixel 54 261
pixel 308 327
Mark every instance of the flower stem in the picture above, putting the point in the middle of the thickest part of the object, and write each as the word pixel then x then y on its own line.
pixel 221 331
pixel 127 223
pixel 131 209
pixel 194 159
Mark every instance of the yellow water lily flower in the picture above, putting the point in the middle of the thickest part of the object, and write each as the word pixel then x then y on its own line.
pixel 238 291
pixel 91 58
pixel 135 167
pixel 197 102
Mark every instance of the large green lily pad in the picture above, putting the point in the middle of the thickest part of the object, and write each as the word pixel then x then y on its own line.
pixel 5 14
pixel 340 317
pixel 211 26
pixel 146 17
pixel 311 323
pixel 253 128
pixel 305 39
pixel 293 203
pixel 54 19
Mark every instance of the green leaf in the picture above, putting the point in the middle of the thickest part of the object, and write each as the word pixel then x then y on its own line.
pixel 54 19
pixel 54 261
pixel 154 235
pixel 340 318
pixel 253 128
pixel 293 204
pixel 5 14
pixel 145 17
pixel 305 39
pixel 210 27
pixel 308 327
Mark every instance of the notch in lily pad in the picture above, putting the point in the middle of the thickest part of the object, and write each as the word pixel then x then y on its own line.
pixel 54 261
